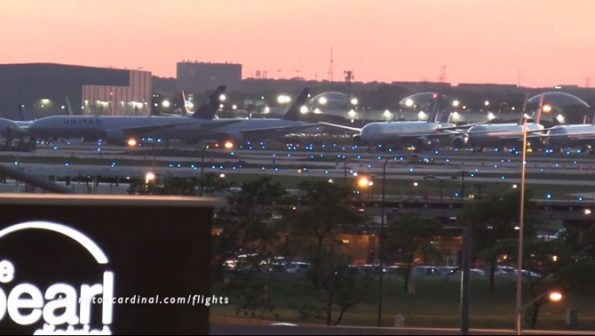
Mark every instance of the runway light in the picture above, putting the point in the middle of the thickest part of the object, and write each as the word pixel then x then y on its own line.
pixel 228 145
pixel 131 142
pixel 587 212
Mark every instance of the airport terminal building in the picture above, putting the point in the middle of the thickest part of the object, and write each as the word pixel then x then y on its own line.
pixel 48 89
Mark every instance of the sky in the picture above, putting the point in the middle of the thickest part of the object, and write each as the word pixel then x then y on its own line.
pixel 527 42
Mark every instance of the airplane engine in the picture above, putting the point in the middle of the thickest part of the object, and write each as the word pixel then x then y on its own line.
pixel 8 128
pixel 459 142
pixel 236 138
pixel 357 139
pixel 218 138
pixel 115 137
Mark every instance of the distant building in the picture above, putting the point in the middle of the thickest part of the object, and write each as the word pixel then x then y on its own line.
pixel 200 76
pixel 132 99
pixel 48 89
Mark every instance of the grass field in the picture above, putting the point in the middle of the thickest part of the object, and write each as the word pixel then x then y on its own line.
pixel 434 303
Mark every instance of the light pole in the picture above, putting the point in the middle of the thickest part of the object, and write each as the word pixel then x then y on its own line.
pixel 202 167
pixel 381 242
pixel 365 182
pixel 519 275
pixel 553 296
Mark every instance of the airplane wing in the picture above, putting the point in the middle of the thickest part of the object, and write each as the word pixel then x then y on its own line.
pixel 150 128
pixel 286 129
pixel 355 129
pixel 460 127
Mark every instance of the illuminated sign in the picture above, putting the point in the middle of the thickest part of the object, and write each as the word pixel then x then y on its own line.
pixel 101 265
pixel 61 304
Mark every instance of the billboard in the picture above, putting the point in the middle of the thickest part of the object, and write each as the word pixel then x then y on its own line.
pixel 79 264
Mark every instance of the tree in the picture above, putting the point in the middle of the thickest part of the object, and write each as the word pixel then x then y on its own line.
pixel 408 235
pixel 495 219
pixel 185 186
pixel 323 211
pixel 249 225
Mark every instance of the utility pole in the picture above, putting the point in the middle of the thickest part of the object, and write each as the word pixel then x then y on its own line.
pixel 463 184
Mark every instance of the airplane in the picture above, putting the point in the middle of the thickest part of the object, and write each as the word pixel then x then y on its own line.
pixel 120 129
pixel 420 134
pixel 238 130
pixel 496 135
pixel 574 135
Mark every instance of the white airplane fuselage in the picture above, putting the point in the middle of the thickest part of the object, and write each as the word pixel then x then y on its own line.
pixel 499 134
pixel 398 131
pixel 571 135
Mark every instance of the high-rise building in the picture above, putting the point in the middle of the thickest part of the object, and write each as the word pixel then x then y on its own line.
pixel 200 76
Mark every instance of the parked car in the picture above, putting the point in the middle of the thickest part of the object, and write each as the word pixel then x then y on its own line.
pixel 297 267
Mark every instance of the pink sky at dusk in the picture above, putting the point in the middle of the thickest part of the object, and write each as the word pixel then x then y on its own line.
pixel 547 42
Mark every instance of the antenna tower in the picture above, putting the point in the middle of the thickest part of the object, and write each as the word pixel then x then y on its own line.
pixel 330 67
pixel 442 77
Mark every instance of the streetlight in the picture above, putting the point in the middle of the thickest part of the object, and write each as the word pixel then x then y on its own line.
pixel 364 182
pixel 149 178
pixel 553 296
pixel 519 275
pixel 381 242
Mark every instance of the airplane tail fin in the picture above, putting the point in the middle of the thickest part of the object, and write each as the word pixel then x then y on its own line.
pixel 208 109
pixel 435 109
pixel 22 115
pixel 184 104
pixel 68 106
pixel 523 111
pixel 293 112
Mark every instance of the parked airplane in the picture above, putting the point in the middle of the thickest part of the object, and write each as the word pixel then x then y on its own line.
pixel 239 130
pixel 421 134
pixel 561 136
pixel 118 129
pixel 496 135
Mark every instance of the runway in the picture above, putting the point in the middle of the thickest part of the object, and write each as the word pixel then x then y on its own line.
pixel 332 161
